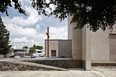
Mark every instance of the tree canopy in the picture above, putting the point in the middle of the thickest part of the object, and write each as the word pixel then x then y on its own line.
pixel 25 47
pixel 31 50
pixel 96 13
pixel 4 39
pixel 4 4
pixel 37 47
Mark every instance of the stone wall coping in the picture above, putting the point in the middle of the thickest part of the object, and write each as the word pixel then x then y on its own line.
pixel 112 33
pixel 103 62
pixel 59 40
pixel 38 59
pixel 49 59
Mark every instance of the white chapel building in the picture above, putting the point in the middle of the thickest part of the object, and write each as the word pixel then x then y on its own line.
pixel 92 47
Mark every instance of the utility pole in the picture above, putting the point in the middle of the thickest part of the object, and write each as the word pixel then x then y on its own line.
pixel 48 41
pixel 24 49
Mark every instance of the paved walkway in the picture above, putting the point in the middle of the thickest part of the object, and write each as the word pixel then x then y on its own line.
pixel 70 73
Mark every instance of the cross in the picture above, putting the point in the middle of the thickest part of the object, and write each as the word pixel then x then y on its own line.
pixel 48 41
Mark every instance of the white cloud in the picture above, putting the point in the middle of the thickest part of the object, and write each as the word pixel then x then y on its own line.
pixel 37 26
pixel 18 30
pixel 47 1
pixel 28 35
pixel 51 6
pixel 23 2
pixel 31 20
pixel 58 33
pixel 23 39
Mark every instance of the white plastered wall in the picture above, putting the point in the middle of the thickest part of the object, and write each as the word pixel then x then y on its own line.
pixel 76 36
pixel 53 45
pixel 100 46
pixel 69 28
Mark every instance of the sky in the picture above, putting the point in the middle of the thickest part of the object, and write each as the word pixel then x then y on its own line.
pixel 31 29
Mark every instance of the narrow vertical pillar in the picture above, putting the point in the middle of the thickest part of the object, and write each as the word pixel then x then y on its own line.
pixel 47 41
pixel 86 48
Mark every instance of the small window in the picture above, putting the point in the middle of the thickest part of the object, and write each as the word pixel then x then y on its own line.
pixel 39 51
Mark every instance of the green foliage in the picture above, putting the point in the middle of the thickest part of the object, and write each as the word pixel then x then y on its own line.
pixel 37 47
pixel 31 50
pixel 4 39
pixel 34 45
pixel 25 47
pixel 4 4
pixel 96 13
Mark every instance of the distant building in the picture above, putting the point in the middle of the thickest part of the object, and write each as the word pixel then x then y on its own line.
pixel 21 52
pixel 25 52
pixel 38 52
pixel 59 48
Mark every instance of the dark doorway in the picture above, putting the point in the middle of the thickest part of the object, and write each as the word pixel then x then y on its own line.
pixel 53 52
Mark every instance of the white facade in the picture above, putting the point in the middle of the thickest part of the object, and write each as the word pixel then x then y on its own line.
pixel 59 48
pixel 84 41
pixel 92 46
pixel 21 51
pixel 53 45
pixel 38 52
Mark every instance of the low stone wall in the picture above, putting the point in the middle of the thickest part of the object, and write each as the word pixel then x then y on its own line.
pixel 7 66
pixel 62 63
pixel 10 66
pixel 84 64
pixel 104 65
